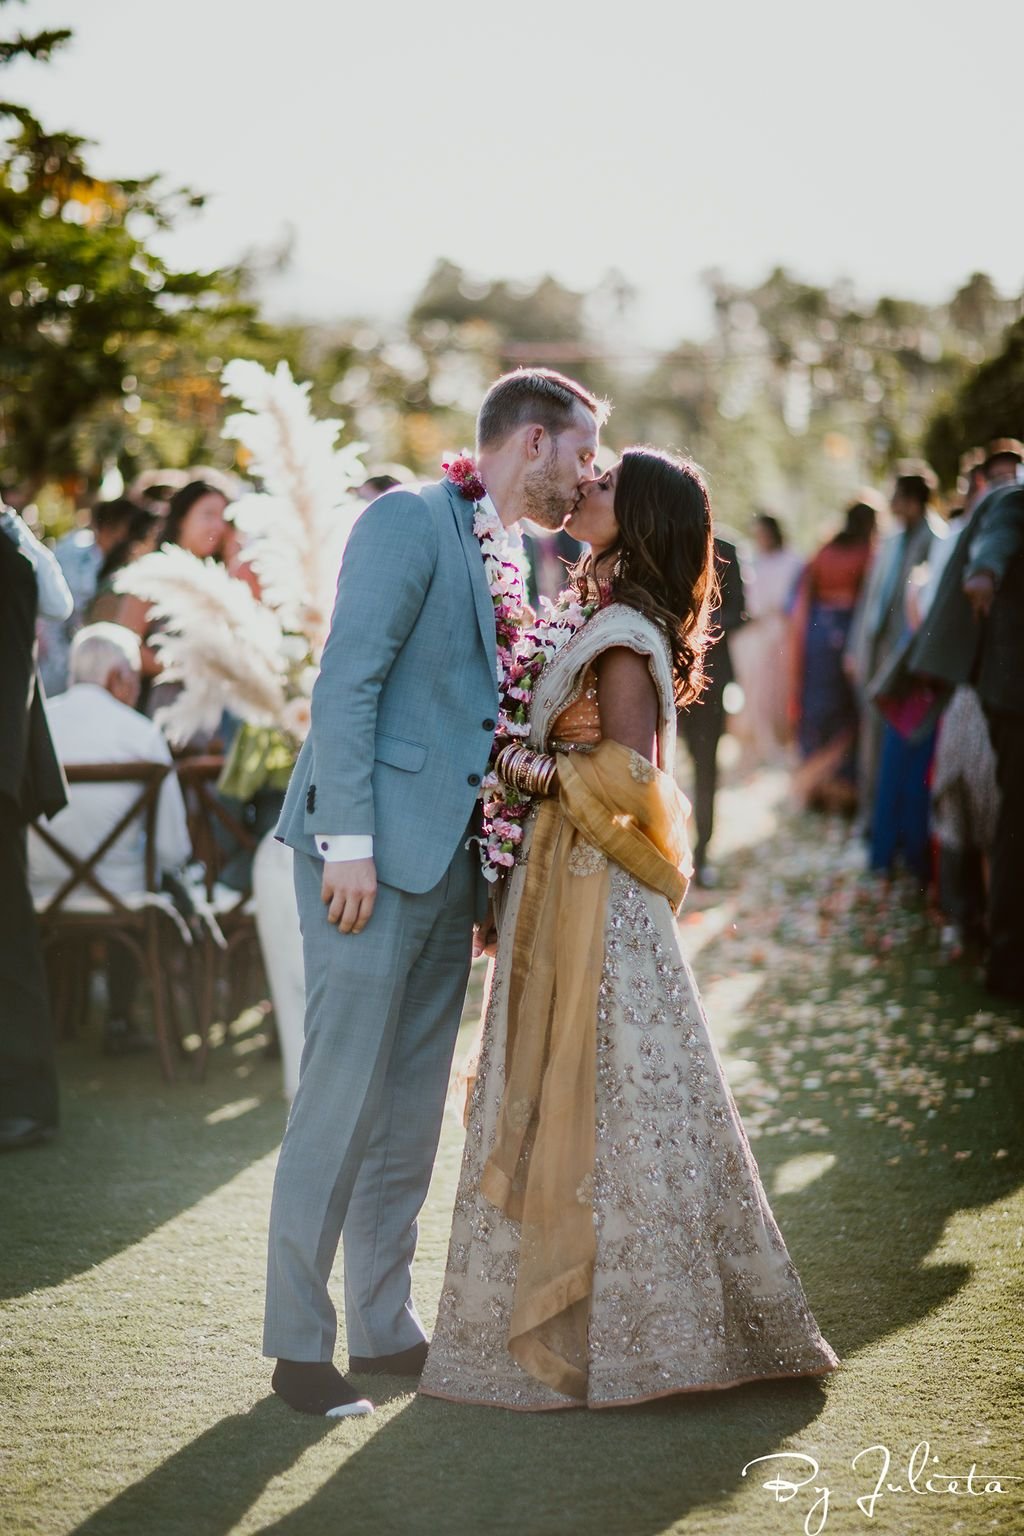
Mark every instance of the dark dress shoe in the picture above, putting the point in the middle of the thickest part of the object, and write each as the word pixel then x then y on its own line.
pixel 407 1362
pixel 24 1132
pixel 319 1388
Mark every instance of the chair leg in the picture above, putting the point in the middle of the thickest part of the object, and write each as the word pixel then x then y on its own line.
pixel 204 963
pixel 172 994
pixel 156 987
pixel 81 974
pixel 57 977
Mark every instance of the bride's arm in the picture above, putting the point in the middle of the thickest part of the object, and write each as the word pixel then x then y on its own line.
pixel 628 701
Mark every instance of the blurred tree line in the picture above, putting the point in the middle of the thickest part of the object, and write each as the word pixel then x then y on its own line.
pixel 110 357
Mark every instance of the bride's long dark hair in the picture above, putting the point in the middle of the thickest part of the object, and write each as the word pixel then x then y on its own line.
pixel 663 562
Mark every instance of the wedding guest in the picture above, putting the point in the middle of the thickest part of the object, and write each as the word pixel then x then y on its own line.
pixel 1004 463
pixel 702 723
pixel 880 620
pixel 965 813
pixel 899 824
pixel 80 555
pixel 31 785
pixel 375 485
pixel 95 721
pixel 965 797
pixel 972 485
pixel 548 562
pixel 994 585
pixel 237 562
pixel 824 706
pixel 761 647
pixel 195 522
pixel 141 538
pixel 55 599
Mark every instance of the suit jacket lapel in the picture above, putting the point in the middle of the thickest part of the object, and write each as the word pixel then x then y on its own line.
pixel 462 511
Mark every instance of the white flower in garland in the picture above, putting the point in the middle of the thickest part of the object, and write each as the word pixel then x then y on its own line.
pixel 525 646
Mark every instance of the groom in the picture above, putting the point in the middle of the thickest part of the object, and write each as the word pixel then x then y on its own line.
pixel 378 811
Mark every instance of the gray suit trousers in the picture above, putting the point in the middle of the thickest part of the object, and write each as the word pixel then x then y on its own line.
pixel 382 1015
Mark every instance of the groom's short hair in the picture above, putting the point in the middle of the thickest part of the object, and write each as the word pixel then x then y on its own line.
pixel 531 395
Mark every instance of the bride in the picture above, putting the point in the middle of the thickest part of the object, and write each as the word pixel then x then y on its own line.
pixel 612 1241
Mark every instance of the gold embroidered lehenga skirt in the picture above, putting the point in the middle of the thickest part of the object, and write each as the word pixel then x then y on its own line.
pixel 689 1285
pixel 693 1287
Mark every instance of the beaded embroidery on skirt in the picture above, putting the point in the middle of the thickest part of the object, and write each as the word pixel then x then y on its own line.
pixel 693 1286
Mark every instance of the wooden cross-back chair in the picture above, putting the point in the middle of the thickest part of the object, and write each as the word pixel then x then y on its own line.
pixel 231 943
pixel 83 908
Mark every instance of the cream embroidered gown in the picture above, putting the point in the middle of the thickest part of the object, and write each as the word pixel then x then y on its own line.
pixel 693 1287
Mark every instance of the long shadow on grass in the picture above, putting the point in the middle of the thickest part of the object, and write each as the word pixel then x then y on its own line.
pixel 861 1233
pixel 132 1153
pixel 206 1488
pixel 441 1468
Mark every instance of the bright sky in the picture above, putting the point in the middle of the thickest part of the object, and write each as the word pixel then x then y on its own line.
pixel 658 136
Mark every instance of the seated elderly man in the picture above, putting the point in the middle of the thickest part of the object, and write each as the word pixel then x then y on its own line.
pixel 95 722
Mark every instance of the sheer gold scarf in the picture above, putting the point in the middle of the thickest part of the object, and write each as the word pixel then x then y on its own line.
pixel 612 804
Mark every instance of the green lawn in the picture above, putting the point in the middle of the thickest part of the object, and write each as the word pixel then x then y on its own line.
pixel 882 1094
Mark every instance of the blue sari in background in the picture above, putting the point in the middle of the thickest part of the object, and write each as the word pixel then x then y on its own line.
pixel 828 704
pixel 901 820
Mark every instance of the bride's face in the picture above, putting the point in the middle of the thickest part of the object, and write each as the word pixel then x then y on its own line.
pixel 593 519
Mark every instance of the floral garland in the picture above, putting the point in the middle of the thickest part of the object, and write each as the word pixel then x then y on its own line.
pixel 526 643
pixel 506 808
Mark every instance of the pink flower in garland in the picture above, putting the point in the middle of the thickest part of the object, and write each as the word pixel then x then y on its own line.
pixel 524 646
pixel 507 831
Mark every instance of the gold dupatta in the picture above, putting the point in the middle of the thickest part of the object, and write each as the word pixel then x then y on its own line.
pixel 612 804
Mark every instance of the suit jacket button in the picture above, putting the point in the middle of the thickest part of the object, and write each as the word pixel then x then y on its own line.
pixel 488 725
pixel 474 778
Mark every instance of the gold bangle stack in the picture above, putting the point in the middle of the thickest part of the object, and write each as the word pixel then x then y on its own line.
pixel 532 773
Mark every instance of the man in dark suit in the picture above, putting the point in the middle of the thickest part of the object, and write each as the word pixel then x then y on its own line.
pixel 702 723
pixel 31 784
pixel 974 632
pixel 994 585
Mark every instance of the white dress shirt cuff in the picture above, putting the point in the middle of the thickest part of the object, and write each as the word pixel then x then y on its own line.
pixel 336 849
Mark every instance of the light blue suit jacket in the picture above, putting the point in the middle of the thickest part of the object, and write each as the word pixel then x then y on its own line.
pixel 404 708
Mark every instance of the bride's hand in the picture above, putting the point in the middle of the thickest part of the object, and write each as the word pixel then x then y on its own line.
pixel 485 936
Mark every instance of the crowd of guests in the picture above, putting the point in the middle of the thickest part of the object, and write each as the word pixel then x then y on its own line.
pixel 118 533
pixel 891 661
pixel 81 684
pixel 66 627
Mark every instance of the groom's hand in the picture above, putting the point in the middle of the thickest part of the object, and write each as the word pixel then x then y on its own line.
pixel 348 891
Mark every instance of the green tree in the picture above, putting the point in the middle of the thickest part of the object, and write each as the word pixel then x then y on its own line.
pixel 988 404
pixel 85 300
